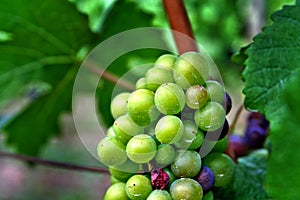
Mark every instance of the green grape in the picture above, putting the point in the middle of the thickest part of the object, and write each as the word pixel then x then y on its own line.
pixel 169 99
pixel 141 148
pixel 196 96
pixel 210 117
pixel 208 196
pixel 125 128
pixel 110 132
pixel 141 107
pixel 114 180
pixel 187 189
pixel 222 166
pixel 159 195
pixel 156 76
pixel 141 84
pixel 124 171
pixel 198 141
pixel 111 151
pixel 220 145
pixel 169 129
pixel 118 105
pixel 171 175
pixel 216 91
pixel 187 164
pixel 116 191
pixel 166 61
pixel 190 69
pixel 165 154
pixel 190 135
pixel 138 187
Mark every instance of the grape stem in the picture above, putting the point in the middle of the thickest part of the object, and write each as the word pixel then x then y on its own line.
pixel 236 117
pixel 108 76
pixel 179 21
pixel 49 163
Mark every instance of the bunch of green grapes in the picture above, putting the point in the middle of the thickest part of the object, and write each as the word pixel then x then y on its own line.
pixel 152 149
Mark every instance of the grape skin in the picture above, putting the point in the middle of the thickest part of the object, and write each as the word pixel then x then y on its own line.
pixel 138 187
pixel 187 189
pixel 116 191
pixel 118 105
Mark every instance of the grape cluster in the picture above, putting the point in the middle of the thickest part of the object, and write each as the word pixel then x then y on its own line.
pixel 152 149
pixel 254 137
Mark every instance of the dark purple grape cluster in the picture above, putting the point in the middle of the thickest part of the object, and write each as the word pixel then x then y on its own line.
pixel 254 138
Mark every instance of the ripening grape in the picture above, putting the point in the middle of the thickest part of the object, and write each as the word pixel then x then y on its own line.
pixel 169 99
pixel 141 107
pixel 138 187
pixel 210 117
pixel 222 166
pixel 206 178
pixel 125 128
pixel 111 151
pixel 166 61
pixel 118 105
pixel 141 148
pixel 190 69
pixel 156 76
pixel 116 191
pixel 216 91
pixel 169 129
pixel 187 189
pixel 187 164
pixel 196 96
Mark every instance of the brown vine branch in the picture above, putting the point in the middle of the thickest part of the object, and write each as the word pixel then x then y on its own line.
pixel 49 163
pixel 108 76
pixel 179 21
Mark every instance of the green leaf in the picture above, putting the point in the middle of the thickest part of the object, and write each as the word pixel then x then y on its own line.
pixel 272 66
pixel 45 37
pixel 248 179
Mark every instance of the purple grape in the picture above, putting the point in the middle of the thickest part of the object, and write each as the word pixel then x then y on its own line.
pixel 206 178
pixel 238 145
pixel 228 102
pixel 218 134
pixel 159 179
pixel 255 136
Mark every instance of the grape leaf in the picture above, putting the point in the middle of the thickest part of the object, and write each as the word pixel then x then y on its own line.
pixel 248 179
pixel 45 37
pixel 273 61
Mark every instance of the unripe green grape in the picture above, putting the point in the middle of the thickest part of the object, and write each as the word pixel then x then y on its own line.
pixel 198 141
pixel 190 134
pixel 114 180
pixel 187 189
pixel 124 171
pixel 165 154
pixel 159 195
pixel 166 61
pixel 222 166
pixel 169 99
pixel 169 129
pixel 110 132
pixel 196 96
pixel 187 164
pixel 190 69
pixel 141 148
pixel 141 107
pixel 171 175
pixel 111 151
pixel 220 145
pixel 216 91
pixel 116 191
pixel 138 187
pixel 141 84
pixel 118 105
pixel 125 128
pixel 208 196
pixel 210 117
pixel 156 76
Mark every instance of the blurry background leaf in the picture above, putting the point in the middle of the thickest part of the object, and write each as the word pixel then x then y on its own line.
pixel 45 37
pixel 272 66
